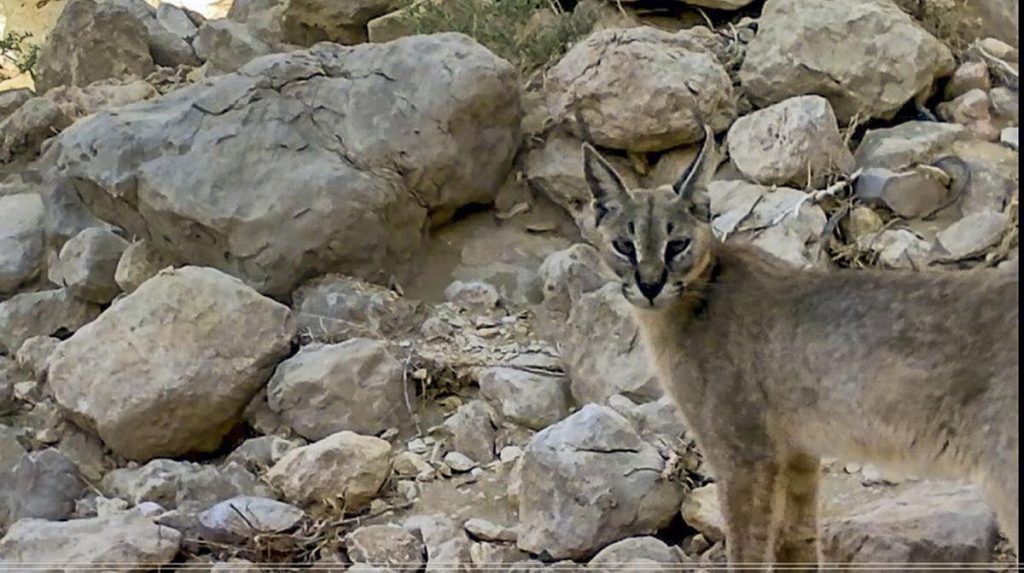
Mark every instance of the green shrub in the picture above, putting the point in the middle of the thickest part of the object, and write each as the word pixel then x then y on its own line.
pixel 527 33
pixel 15 48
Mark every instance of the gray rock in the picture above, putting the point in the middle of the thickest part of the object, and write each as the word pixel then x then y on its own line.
pixel 21 240
pixel 384 545
pixel 175 20
pixel 569 274
pixel 305 22
pixel 87 263
pixel 262 17
pixel 262 452
pixel 34 355
pixel 531 399
pixel 344 468
pixel 926 524
pixel 906 144
pixel 448 546
pixel 909 194
pixel 342 181
pixel 11 100
pixel 994 176
pixel 630 550
pixel 185 486
pixel 124 541
pixel 990 20
pixel 763 217
pixel 867 56
pixel 25 130
pixel 66 214
pixel 93 40
pixel 485 530
pixel 166 47
pixel 470 430
pixel 1005 105
pixel 43 484
pixel 971 236
pixel 139 262
pixel 240 518
pixel 43 313
pixel 795 141
pixel 568 517
pixel 1009 138
pixel 614 363
pixel 336 307
pixel 971 75
pixel 702 510
pixel 472 294
pixel 77 102
pixel 896 248
pixel 226 46
pixel 168 369
pixel 11 449
pixel 356 385
pixel 459 462
pixel 87 452
pixel 684 82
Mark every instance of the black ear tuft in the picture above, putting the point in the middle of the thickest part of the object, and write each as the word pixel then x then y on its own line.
pixel 605 184
pixel 685 185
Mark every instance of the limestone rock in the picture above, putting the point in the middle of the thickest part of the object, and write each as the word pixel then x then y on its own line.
pixel 795 141
pixel 336 175
pixel 470 430
pixel 968 76
pixel 906 144
pixel 262 17
pixel 490 531
pixel 569 517
pixel 531 399
pixel 25 130
pixel 447 545
pixel 43 484
pixel 343 468
pixel 76 102
pixel 93 40
pixel 763 217
pixel 896 248
pixel 262 452
pixel 384 545
pixel 615 363
pixel 226 46
pixel 909 194
pixel 127 541
pixel 927 524
pixel 971 236
pixel 336 307
pixel 168 369
pixel 34 355
pixel 356 385
pixel 305 22
pixel 185 486
pixel 11 100
pixel 1009 138
pixel 702 511
pixel 866 56
pixel 240 518
pixel 43 313
pixel 139 262
pixel 684 85
pixel 629 550
pixel 87 263
pixel 21 240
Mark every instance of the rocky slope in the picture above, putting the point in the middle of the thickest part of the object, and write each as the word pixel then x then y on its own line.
pixel 272 295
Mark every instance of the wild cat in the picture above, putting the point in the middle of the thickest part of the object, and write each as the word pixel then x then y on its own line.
pixel 774 368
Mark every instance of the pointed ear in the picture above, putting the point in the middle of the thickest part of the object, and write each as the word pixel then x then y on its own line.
pixel 605 184
pixel 696 173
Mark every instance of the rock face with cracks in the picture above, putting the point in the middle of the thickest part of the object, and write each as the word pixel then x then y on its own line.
pixel 866 57
pixel 168 369
pixel 569 517
pixel 330 159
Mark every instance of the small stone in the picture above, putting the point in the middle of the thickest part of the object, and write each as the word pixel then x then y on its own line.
pixel 470 430
pixel 971 236
pixel 531 399
pixel 417 446
pixel 240 518
pixel 1009 138
pixel 87 263
pixel 42 313
pixel 21 240
pixel 635 550
pixel 1005 105
pixel 488 531
pixel 510 454
pixel 896 248
pixel 410 464
pixel 262 452
pixel 139 262
pixel 459 462
pixel 861 221
pixel 34 355
pixel 384 545
pixel 909 194
pixel 473 294
pixel 407 490
pixel 970 106
pixel 702 511
pixel 967 77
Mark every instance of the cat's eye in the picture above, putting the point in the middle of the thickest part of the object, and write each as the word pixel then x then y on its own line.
pixel 675 248
pixel 625 248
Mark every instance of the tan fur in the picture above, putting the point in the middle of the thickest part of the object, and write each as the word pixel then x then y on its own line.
pixel 774 368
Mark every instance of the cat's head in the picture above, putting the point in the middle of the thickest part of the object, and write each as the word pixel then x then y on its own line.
pixel 658 241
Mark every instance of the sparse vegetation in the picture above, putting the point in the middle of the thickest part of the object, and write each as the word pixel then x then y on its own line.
pixel 528 33
pixel 16 50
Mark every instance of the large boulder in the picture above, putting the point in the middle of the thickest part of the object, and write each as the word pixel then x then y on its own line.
pixel 866 57
pixel 169 369
pixel 795 141
pixel 623 494
pixel 356 385
pixel 226 46
pixel 124 541
pixel 614 363
pixel 44 484
pixel 682 83
pixel 25 130
pixel 329 159
pixel 21 240
pixel 93 40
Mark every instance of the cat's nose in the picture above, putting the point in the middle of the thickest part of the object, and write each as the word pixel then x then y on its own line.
pixel 650 290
